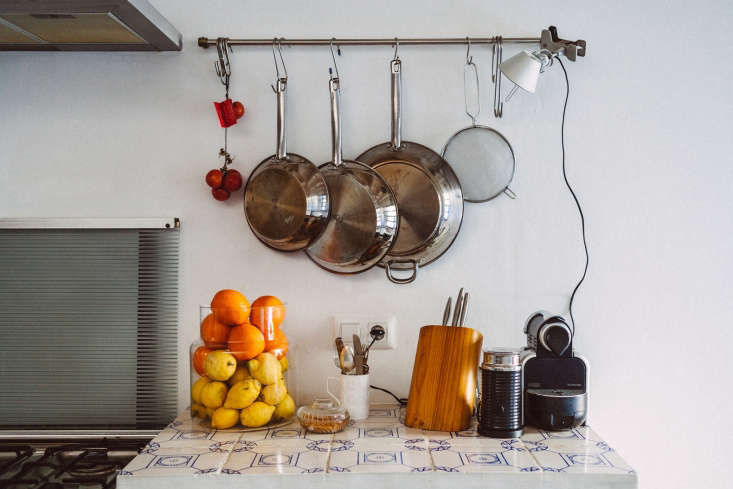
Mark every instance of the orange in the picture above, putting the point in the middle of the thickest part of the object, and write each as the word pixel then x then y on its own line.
pixel 230 307
pixel 278 346
pixel 213 332
pixel 199 358
pixel 267 312
pixel 246 342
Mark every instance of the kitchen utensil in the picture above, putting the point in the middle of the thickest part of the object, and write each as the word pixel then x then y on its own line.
pixel 500 415
pixel 461 322
pixel 481 157
pixel 428 193
pixel 346 359
pixel 457 311
pixel 339 342
pixel 446 312
pixel 323 416
pixel 353 394
pixel 358 356
pixel 443 386
pixel 364 217
pixel 286 200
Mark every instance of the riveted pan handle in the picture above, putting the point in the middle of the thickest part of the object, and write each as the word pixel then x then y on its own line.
pixel 280 88
pixel 397 280
pixel 396 74
pixel 334 87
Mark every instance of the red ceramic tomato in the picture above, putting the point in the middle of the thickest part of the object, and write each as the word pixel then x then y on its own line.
pixel 238 109
pixel 214 178
pixel 220 193
pixel 232 180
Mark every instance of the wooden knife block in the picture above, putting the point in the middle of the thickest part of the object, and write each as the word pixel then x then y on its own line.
pixel 443 387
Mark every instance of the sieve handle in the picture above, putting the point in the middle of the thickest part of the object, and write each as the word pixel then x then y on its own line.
pixel 471 80
pixel 335 89
pixel 280 88
pixel 396 74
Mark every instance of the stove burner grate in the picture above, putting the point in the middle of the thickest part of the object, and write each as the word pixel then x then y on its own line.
pixel 92 465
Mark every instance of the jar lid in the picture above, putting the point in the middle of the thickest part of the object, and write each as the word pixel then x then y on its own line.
pixel 323 407
pixel 508 357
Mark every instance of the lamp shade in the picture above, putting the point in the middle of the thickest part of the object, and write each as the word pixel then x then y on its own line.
pixel 523 69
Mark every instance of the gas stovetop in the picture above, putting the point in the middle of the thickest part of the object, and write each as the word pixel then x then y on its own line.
pixel 77 465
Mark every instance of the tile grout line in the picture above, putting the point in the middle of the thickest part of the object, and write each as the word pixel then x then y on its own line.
pixel 536 461
pixel 430 453
pixel 229 454
pixel 328 457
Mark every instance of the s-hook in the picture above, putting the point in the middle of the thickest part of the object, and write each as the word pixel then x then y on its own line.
pixel 335 65
pixel 496 57
pixel 282 80
pixel 396 56
pixel 223 67
pixel 471 66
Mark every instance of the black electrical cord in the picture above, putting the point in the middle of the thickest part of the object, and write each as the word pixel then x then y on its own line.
pixel 402 401
pixel 572 192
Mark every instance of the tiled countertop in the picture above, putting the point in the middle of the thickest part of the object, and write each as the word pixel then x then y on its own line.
pixel 386 454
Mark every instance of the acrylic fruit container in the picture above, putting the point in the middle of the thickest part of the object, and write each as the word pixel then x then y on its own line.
pixel 240 367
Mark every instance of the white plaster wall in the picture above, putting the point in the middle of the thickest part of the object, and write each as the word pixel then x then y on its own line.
pixel 648 135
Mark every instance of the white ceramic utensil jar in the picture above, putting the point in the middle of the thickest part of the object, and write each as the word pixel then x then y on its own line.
pixel 353 394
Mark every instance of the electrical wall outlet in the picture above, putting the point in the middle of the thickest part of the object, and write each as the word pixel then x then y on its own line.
pixel 347 325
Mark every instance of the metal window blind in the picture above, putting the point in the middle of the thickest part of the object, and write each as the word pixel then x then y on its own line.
pixel 88 327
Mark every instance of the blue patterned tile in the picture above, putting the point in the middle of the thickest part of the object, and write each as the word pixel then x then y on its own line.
pixel 576 451
pixel 231 446
pixel 377 413
pixel 286 433
pixel 172 461
pixel 338 445
pixel 380 444
pixel 168 448
pixel 278 462
pixel 312 462
pixel 391 431
pixel 484 461
pixel 380 458
pixel 157 465
pixel 240 461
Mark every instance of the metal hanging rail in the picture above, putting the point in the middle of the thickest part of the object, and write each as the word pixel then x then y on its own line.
pixel 205 42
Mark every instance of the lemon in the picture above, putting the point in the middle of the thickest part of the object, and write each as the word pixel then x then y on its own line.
pixel 224 418
pixel 196 389
pixel 220 365
pixel 198 411
pixel 284 363
pixel 242 394
pixel 209 412
pixel 285 409
pixel 213 394
pixel 256 414
pixel 273 394
pixel 264 367
pixel 239 375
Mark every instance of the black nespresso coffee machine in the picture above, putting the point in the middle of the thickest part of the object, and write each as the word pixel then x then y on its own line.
pixel 554 379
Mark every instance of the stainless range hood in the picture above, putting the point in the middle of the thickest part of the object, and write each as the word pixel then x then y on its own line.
pixel 84 25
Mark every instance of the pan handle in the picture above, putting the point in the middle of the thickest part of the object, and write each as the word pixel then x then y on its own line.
pixel 280 87
pixel 334 87
pixel 397 280
pixel 396 73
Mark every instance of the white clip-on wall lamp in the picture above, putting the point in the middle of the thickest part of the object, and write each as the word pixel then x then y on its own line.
pixel 524 68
